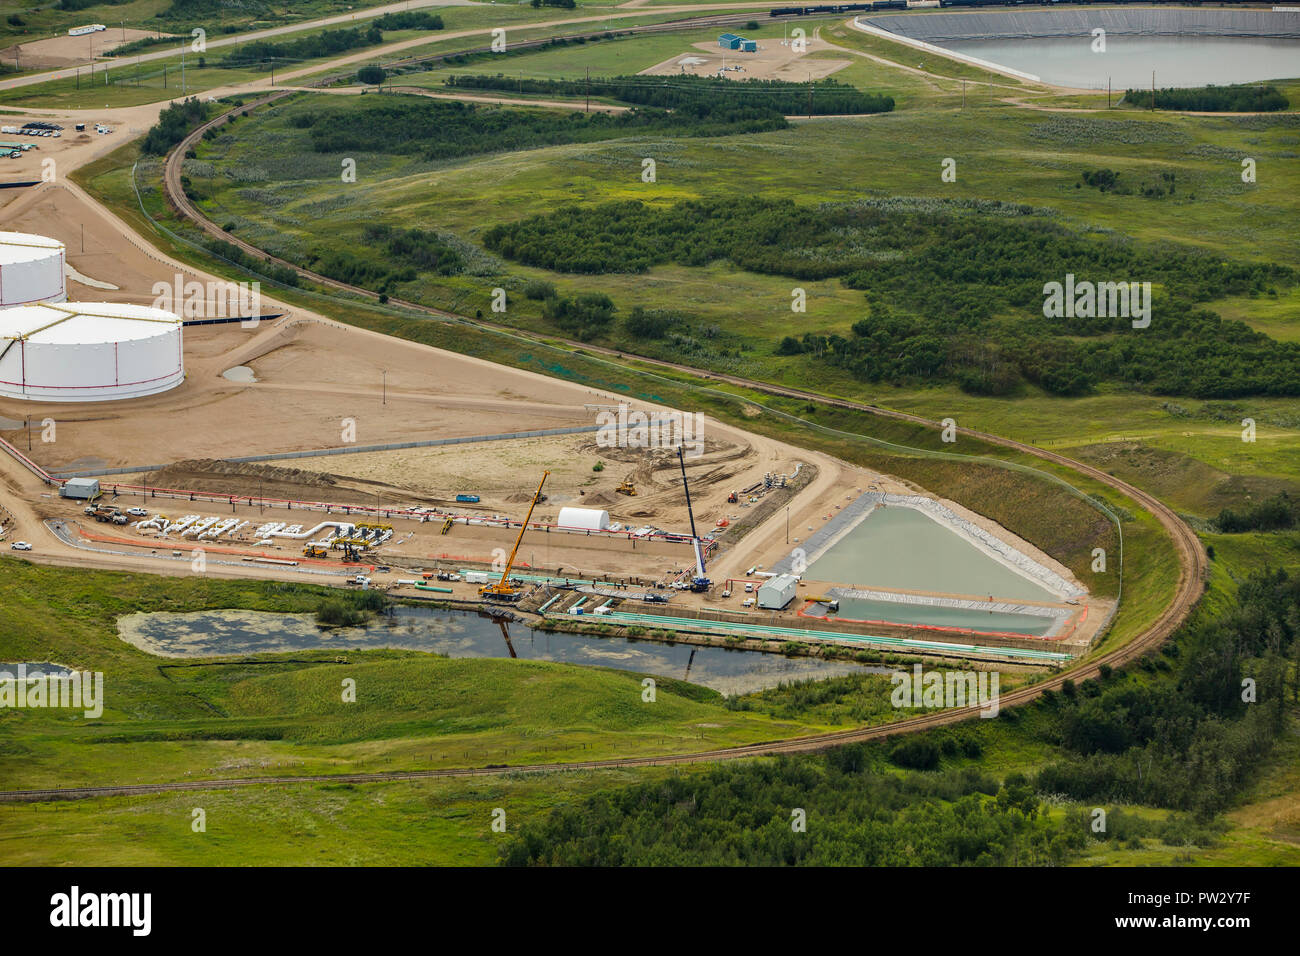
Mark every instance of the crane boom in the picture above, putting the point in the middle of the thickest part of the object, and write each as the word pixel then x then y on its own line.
pixel 503 589
pixel 701 581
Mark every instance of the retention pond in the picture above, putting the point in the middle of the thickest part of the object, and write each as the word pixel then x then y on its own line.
pixel 466 634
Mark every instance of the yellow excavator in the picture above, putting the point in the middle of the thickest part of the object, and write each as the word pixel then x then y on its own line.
pixel 503 590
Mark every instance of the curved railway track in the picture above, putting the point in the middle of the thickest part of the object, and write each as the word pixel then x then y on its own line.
pixel 1191 555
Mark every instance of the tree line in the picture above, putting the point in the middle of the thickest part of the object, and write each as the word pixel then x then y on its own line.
pixel 1264 98
pixel 701 96
pixel 328 42
pixel 174 124
pixel 441 129
pixel 1278 513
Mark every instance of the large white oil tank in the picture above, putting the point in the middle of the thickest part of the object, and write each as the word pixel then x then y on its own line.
pixel 31 269
pixel 89 352
pixel 584 519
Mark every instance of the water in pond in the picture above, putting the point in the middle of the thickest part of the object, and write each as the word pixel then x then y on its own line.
pixel 896 612
pixel 464 634
pixel 1129 60
pixel 904 548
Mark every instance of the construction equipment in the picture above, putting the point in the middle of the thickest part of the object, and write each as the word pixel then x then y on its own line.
pixel 700 582
pixel 732 498
pixel 350 553
pixel 503 590
pixel 314 551
pixel 446 526
pixel 627 488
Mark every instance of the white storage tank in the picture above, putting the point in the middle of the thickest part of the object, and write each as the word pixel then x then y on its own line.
pixel 31 270
pixel 583 519
pixel 776 593
pixel 89 352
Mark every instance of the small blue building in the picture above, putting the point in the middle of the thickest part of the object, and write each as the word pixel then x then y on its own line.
pixel 748 46
pixel 729 41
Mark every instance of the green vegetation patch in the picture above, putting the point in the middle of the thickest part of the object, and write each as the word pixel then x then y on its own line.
pixel 1264 98
pixel 956 290
pixel 703 97
pixel 442 129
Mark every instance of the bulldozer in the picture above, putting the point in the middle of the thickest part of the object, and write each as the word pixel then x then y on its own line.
pixel 627 488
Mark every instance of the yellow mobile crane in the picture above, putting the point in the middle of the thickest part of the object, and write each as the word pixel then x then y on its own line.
pixel 503 590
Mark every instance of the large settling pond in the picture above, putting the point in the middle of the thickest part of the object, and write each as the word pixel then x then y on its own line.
pixel 904 548
pixel 1128 60
pixel 465 634
pixel 861 609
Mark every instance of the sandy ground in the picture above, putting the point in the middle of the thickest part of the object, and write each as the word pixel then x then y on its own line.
pixel 775 60
pixel 56 52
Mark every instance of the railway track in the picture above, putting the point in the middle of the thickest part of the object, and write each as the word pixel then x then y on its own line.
pixel 1193 565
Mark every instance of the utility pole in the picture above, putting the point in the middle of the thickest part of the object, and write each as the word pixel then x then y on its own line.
pixel 1108 92
pixel 83 238
pixel 810 95
pixel 1153 91
pixel 963 93
pixel 587 109
pixel 385 374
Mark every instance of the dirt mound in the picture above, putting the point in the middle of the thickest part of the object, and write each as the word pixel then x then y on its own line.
pixel 238 469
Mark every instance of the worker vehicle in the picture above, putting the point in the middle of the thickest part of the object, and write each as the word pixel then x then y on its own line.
pixel 21 546
pixel 314 551
pixel 732 498
pixel 137 512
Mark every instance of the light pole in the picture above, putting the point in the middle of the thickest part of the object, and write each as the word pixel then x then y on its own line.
pixel 787 524
pixel 384 372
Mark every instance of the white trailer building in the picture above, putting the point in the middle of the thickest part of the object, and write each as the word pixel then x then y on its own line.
pixel 775 593
pixel 85 488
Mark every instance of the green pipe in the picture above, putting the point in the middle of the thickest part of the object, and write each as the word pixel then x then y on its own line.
pixel 425 587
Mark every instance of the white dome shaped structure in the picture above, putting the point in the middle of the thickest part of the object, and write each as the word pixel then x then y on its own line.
pixel 89 352
pixel 31 270
pixel 583 519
